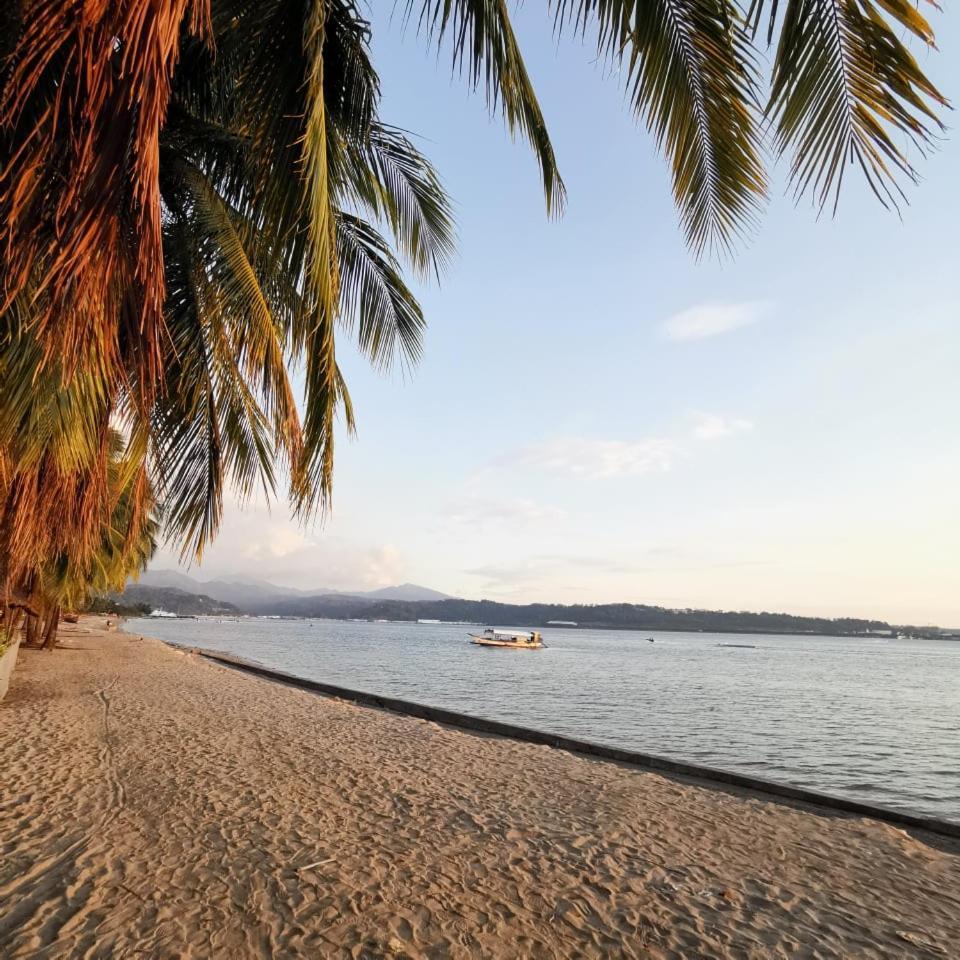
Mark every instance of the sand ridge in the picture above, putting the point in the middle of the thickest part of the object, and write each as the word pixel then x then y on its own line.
pixel 157 805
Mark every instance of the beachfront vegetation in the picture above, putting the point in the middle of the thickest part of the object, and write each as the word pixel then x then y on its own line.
pixel 107 604
pixel 196 194
pixel 64 574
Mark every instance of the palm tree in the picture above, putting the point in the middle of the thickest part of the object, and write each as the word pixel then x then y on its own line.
pixel 239 310
pixel 192 194
pixel 126 544
pixel 64 574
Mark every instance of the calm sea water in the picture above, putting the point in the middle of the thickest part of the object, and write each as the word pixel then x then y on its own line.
pixel 876 720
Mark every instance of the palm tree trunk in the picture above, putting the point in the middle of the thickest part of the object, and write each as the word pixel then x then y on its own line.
pixel 6 522
pixel 30 630
pixel 53 622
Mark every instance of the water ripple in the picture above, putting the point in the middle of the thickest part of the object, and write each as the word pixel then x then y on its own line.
pixel 873 721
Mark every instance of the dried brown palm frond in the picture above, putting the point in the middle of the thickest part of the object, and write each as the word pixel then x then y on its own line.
pixel 84 99
pixel 249 289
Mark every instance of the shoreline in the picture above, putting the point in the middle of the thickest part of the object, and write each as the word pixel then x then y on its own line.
pixel 713 777
pixel 156 802
pixel 545 626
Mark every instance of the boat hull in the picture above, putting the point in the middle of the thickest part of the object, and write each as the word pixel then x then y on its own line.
pixel 521 645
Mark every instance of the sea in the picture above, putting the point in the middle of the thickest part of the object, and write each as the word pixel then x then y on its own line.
pixel 876 720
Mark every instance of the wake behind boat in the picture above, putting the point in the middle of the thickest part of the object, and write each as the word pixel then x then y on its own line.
pixel 517 639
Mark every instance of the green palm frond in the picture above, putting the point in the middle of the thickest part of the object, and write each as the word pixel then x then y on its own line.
pixel 692 77
pixel 385 174
pixel 227 246
pixel 374 298
pixel 486 51
pixel 845 88
pixel 208 425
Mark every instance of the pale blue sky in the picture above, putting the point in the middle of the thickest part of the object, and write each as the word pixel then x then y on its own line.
pixel 569 437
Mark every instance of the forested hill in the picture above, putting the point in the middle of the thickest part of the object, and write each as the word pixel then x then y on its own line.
pixel 181 602
pixel 606 616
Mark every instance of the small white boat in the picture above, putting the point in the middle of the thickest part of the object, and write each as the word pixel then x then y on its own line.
pixel 517 639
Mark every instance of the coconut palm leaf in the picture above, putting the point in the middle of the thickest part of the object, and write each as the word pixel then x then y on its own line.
pixel 485 50
pixel 384 173
pixel 207 424
pixel 846 90
pixel 99 232
pixel 692 77
pixel 227 244
pixel 374 298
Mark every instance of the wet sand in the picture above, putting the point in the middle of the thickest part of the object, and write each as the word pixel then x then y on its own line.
pixel 155 804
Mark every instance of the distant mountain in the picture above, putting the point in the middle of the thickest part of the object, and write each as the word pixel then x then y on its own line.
pixel 246 594
pixel 169 578
pixel 174 600
pixel 406 591
pixel 253 595
pixel 409 602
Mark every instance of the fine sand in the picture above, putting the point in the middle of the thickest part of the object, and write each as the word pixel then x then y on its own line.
pixel 154 804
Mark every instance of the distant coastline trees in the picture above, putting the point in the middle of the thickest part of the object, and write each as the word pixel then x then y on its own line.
pixel 196 195
pixel 604 616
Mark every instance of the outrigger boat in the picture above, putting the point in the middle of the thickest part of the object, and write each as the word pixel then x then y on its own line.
pixel 518 639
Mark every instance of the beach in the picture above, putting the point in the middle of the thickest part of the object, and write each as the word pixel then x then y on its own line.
pixel 156 804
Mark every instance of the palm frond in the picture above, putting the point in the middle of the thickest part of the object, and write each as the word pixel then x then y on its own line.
pixel 844 87
pixel 116 60
pixel 227 247
pixel 692 77
pixel 384 173
pixel 374 297
pixel 208 426
pixel 486 51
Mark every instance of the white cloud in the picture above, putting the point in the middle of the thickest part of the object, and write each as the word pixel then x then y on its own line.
pixel 334 564
pixel 595 459
pixel 259 543
pixel 380 566
pixel 481 511
pixel 711 319
pixel 275 539
pixel 711 426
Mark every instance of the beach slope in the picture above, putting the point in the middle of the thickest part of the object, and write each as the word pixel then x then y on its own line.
pixel 156 804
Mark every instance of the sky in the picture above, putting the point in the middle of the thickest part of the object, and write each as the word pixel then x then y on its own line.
pixel 600 417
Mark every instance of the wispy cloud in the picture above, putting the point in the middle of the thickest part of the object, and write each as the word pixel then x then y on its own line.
pixel 275 539
pixel 712 319
pixel 518 575
pixel 596 459
pixel 534 578
pixel 490 512
pixel 584 457
pixel 711 426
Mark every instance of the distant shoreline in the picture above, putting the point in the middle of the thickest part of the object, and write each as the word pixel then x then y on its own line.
pixel 544 626
pixel 235 597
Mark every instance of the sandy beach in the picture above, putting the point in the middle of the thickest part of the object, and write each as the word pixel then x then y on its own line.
pixel 155 804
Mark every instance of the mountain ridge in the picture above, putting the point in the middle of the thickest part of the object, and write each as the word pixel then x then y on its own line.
pixel 255 595
pixel 373 605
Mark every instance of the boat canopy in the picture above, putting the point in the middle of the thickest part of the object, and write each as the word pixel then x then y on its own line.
pixel 510 633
